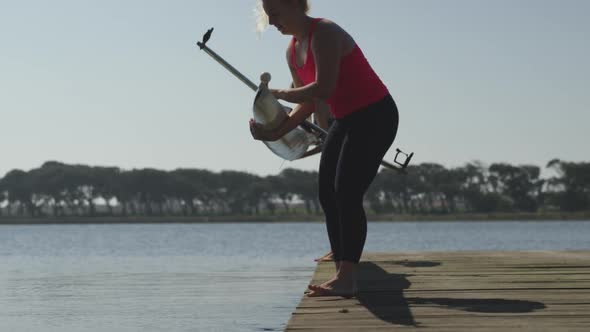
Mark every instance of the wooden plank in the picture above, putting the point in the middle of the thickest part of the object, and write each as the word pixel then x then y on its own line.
pixel 457 291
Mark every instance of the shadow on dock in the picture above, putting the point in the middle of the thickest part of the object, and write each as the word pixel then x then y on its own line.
pixel 382 293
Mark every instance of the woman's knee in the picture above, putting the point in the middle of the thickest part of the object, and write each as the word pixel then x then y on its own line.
pixel 348 196
pixel 326 196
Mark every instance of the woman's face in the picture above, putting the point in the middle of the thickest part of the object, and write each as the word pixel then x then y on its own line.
pixel 280 14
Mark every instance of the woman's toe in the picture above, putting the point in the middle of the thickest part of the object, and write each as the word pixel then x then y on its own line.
pixel 314 287
pixel 317 293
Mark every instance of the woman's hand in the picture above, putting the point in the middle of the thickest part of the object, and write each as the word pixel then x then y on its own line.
pixel 259 133
pixel 295 118
pixel 278 93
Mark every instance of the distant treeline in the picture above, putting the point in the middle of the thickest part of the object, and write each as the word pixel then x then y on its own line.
pixel 57 190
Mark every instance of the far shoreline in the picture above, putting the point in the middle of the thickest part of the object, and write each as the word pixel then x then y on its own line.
pixel 299 218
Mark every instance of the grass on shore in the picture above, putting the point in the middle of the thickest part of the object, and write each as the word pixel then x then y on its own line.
pixel 300 217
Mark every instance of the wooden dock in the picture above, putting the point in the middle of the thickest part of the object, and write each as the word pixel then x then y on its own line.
pixel 457 291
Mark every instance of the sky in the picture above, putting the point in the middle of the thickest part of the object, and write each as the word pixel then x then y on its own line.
pixel 121 83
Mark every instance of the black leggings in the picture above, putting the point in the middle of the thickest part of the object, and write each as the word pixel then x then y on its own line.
pixel 351 154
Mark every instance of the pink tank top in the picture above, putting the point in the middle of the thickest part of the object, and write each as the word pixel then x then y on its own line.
pixel 357 86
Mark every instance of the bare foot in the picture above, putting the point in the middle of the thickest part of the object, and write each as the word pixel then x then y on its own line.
pixel 334 287
pixel 326 258
pixel 324 284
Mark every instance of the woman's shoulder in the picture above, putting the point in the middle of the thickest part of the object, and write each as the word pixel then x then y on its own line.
pixel 328 29
pixel 326 25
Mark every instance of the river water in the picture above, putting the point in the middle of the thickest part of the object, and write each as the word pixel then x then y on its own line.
pixel 207 277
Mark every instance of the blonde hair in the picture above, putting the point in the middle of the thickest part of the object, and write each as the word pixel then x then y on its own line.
pixel 262 18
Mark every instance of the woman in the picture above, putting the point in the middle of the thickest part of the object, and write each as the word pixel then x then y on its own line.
pixel 327 65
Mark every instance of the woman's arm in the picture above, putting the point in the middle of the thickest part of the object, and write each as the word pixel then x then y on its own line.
pixel 295 118
pixel 326 46
pixel 322 114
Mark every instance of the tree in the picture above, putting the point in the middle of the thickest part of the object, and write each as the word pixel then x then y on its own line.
pixel 234 187
pixel 571 185
pixel 521 184
pixel 303 184
pixel 18 188
pixel 281 190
